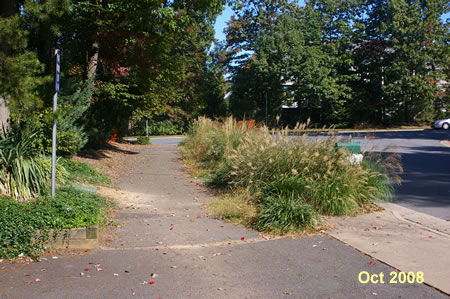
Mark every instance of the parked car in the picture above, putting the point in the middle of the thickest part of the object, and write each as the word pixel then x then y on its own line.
pixel 441 124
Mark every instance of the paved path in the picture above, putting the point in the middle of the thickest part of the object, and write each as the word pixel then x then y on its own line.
pixel 166 233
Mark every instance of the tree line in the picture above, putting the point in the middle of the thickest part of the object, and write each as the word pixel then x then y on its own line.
pixel 345 63
pixel 121 60
pixel 341 63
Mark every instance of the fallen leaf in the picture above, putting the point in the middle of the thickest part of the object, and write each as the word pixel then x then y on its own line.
pixel 151 282
pixel 171 228
pixel 86 269
pixel 54 257
pixel 370 264
pixel 87 250
pixel 153 275
pixel 37 280
pixel 242 238
pixel 116 274
pixel 99 269
pixel 81 274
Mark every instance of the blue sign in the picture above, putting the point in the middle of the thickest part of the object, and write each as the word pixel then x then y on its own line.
pixel 58 69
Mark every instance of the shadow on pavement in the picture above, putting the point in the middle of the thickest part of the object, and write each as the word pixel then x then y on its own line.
pixel 101 153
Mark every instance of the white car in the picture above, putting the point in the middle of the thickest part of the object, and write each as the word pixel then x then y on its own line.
pixel 441 124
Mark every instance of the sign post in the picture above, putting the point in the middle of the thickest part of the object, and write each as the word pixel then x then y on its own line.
pixel 55 105
pixel 146 126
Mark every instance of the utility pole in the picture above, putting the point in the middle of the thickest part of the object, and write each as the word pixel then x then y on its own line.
pixel 55 106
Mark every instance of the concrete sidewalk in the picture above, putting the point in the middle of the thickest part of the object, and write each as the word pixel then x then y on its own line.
pixel 402 238
pixel 168 247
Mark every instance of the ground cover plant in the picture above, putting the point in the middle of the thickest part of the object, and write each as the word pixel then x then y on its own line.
pixel 25 226
pixel 79 172
pixel 292 179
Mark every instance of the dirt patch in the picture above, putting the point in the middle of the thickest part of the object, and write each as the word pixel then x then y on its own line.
pixel 113 159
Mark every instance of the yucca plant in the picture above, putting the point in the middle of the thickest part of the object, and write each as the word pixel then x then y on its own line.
pixel 22 173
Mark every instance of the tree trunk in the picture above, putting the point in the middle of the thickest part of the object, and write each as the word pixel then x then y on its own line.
pixel 8 8
pixel 4 114
pixel 93 61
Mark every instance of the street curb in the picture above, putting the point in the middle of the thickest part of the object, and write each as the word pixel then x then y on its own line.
pixel 420 220
pixel 382 131
pixel 75 238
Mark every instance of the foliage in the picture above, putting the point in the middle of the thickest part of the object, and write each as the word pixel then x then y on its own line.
pixel 291 177
pixel 286 213
pixel 158 127
pixel 145 140
pixel 24 226
pixel 22 170
pixel 209 141
pixel 341 62
pixel 74 101
pixel 82 172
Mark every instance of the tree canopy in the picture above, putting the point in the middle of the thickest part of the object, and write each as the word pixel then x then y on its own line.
pixel 336 62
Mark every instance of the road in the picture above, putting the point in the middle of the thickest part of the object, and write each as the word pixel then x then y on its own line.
pixel 426 162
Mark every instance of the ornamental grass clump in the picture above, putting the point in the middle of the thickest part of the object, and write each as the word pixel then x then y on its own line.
pixel 291 179
pixel 209 142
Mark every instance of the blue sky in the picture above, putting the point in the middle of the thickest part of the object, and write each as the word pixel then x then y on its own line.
pixel 227 13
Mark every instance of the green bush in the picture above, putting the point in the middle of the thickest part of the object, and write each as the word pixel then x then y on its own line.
pixel 158 127
pixel 145 140
pixel 24 226
pixel 71 136
pixel 22 173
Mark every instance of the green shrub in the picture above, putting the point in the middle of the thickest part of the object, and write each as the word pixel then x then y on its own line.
pixel 285 213
pixel 158 127
pixel 24 226
pixel 145 140
pixel 82 172
pixel 71 137
pixel 22 173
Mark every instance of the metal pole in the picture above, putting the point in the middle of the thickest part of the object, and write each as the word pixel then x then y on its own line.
pixel 146 126
pixel 55 105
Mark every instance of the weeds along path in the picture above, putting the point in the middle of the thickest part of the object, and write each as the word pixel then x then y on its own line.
pixel 168 248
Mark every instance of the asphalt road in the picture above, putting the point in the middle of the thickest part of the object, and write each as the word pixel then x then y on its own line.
pixel 426 162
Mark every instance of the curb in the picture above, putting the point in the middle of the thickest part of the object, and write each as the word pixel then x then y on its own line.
pixel 418 219
pixel 75 238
